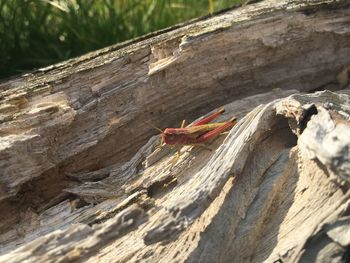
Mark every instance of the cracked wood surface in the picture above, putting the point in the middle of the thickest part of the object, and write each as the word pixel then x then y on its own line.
pixel 82 178
pixel 264 193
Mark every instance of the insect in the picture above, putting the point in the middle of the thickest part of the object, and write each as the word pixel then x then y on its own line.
pixel 199 132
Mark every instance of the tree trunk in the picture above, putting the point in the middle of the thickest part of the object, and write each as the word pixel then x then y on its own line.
pixel 83 178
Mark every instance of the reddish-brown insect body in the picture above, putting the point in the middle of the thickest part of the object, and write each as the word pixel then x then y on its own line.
pixel 199 132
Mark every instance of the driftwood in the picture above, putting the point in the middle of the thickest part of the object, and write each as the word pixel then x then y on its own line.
pixel 82 176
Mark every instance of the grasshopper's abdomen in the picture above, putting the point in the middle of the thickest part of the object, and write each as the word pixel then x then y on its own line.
pixel 171 138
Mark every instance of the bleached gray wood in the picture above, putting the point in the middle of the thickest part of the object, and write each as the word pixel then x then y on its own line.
pixel 78 240
pixel 82 176
pixel 259 180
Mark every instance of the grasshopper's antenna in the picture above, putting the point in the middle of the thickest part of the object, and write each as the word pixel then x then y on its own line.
pixel 161 137
pixel 154 127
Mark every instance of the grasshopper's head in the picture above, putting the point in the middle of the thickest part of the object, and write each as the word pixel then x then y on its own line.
pixel 169 136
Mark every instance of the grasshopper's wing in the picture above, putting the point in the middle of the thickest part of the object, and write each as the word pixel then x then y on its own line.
pixel 196 131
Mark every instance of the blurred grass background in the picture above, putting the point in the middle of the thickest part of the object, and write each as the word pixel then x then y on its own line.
pixel 37 33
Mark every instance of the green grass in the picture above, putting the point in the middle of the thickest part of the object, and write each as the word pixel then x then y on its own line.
pixel 37 33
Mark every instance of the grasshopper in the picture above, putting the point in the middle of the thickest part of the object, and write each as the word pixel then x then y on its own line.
pixel 199 132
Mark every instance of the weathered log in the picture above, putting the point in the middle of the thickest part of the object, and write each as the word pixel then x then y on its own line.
pixel 84 179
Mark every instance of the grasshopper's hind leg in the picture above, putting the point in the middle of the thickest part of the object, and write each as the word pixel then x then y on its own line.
pixel 214 133
pixel 208 119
